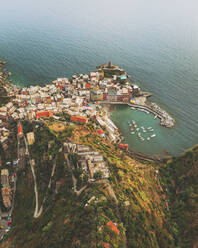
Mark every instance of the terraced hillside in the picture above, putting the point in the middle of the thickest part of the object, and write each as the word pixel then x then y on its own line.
pixel 128 210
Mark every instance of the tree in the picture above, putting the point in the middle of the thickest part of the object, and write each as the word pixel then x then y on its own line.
pixel 98 175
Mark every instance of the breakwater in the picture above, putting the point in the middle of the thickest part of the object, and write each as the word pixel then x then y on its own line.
pixel 165 119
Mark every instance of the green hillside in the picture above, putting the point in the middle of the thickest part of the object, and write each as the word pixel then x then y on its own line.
pixel 152 205
pixel 3 81
pixel 180 176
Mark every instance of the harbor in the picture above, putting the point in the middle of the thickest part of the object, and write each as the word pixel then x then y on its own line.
pixel 142 104
pixel 161 145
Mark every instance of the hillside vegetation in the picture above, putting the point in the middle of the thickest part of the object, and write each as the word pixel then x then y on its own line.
pixel 3 81
pixel 153 205
pixel 180 175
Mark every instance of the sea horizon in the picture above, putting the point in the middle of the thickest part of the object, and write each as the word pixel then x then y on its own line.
pixel 158 51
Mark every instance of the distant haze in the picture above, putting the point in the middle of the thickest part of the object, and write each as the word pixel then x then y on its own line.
pixel 155 41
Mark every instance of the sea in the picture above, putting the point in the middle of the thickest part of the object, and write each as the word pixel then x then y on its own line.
pixel 155 41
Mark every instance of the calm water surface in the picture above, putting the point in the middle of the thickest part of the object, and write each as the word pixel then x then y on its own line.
pixel 155 41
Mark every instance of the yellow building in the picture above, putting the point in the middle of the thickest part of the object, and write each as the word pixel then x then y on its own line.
pixel 30 138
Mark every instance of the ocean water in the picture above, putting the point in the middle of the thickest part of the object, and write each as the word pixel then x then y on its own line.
pixel 154 41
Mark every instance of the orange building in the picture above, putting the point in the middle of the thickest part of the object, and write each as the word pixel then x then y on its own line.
pixel 123 146
pixel 79 118
pixel 44 114
pixel 88 85
pixel 106 245
pixel 30 138
pixel 101 132
pixel 20 131
pixel 113 227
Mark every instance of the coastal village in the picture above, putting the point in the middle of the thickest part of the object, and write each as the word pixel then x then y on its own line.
pixel 83 98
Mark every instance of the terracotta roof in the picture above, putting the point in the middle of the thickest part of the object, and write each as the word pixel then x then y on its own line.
pixel 79 118
pixel 44 114
pixel 123 146
pixel 106 245
pixel 100 131
pixel 87 85
pixel 113 227
pixel 20 129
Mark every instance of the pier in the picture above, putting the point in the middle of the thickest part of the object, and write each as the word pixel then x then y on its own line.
pixel 165 119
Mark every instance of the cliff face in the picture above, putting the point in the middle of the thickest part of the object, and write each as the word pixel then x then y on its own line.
pixel 140 205
pixel 180 176
pixel 3 80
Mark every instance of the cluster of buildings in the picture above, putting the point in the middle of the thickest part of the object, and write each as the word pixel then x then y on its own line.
pixel 7 111
pixel 4 134
pixel 6 189
pixel 78 97
pixel 91 162
pixel 106 123
pixel 68 95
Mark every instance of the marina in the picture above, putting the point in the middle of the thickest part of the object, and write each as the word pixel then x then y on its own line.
pixel 161 143
pixel 140 131
pixel 141 104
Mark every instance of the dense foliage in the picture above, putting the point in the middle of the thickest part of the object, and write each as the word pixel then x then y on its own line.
pixel 153 205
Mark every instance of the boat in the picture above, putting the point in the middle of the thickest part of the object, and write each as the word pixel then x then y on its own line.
pixel 153 135
pixel 137 129
pixel 144 131
pixel 155 117
pixel 132 108
pixel 148 138
pixel 149 128
pixel 132 132
pixel 132 129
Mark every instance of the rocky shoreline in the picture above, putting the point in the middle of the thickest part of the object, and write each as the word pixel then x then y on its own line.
pixel 4 84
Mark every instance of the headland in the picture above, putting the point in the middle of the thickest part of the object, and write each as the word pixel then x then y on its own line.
pixel 81 97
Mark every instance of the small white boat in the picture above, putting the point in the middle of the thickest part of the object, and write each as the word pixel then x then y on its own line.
pixel 155 117
pixel 132 108
pixel 132 132
pixel 148 138
pixel 137 129
pixel 153 135
pixel 149 128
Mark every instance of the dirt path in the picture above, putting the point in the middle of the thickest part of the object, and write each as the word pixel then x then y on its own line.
pixel 37 211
